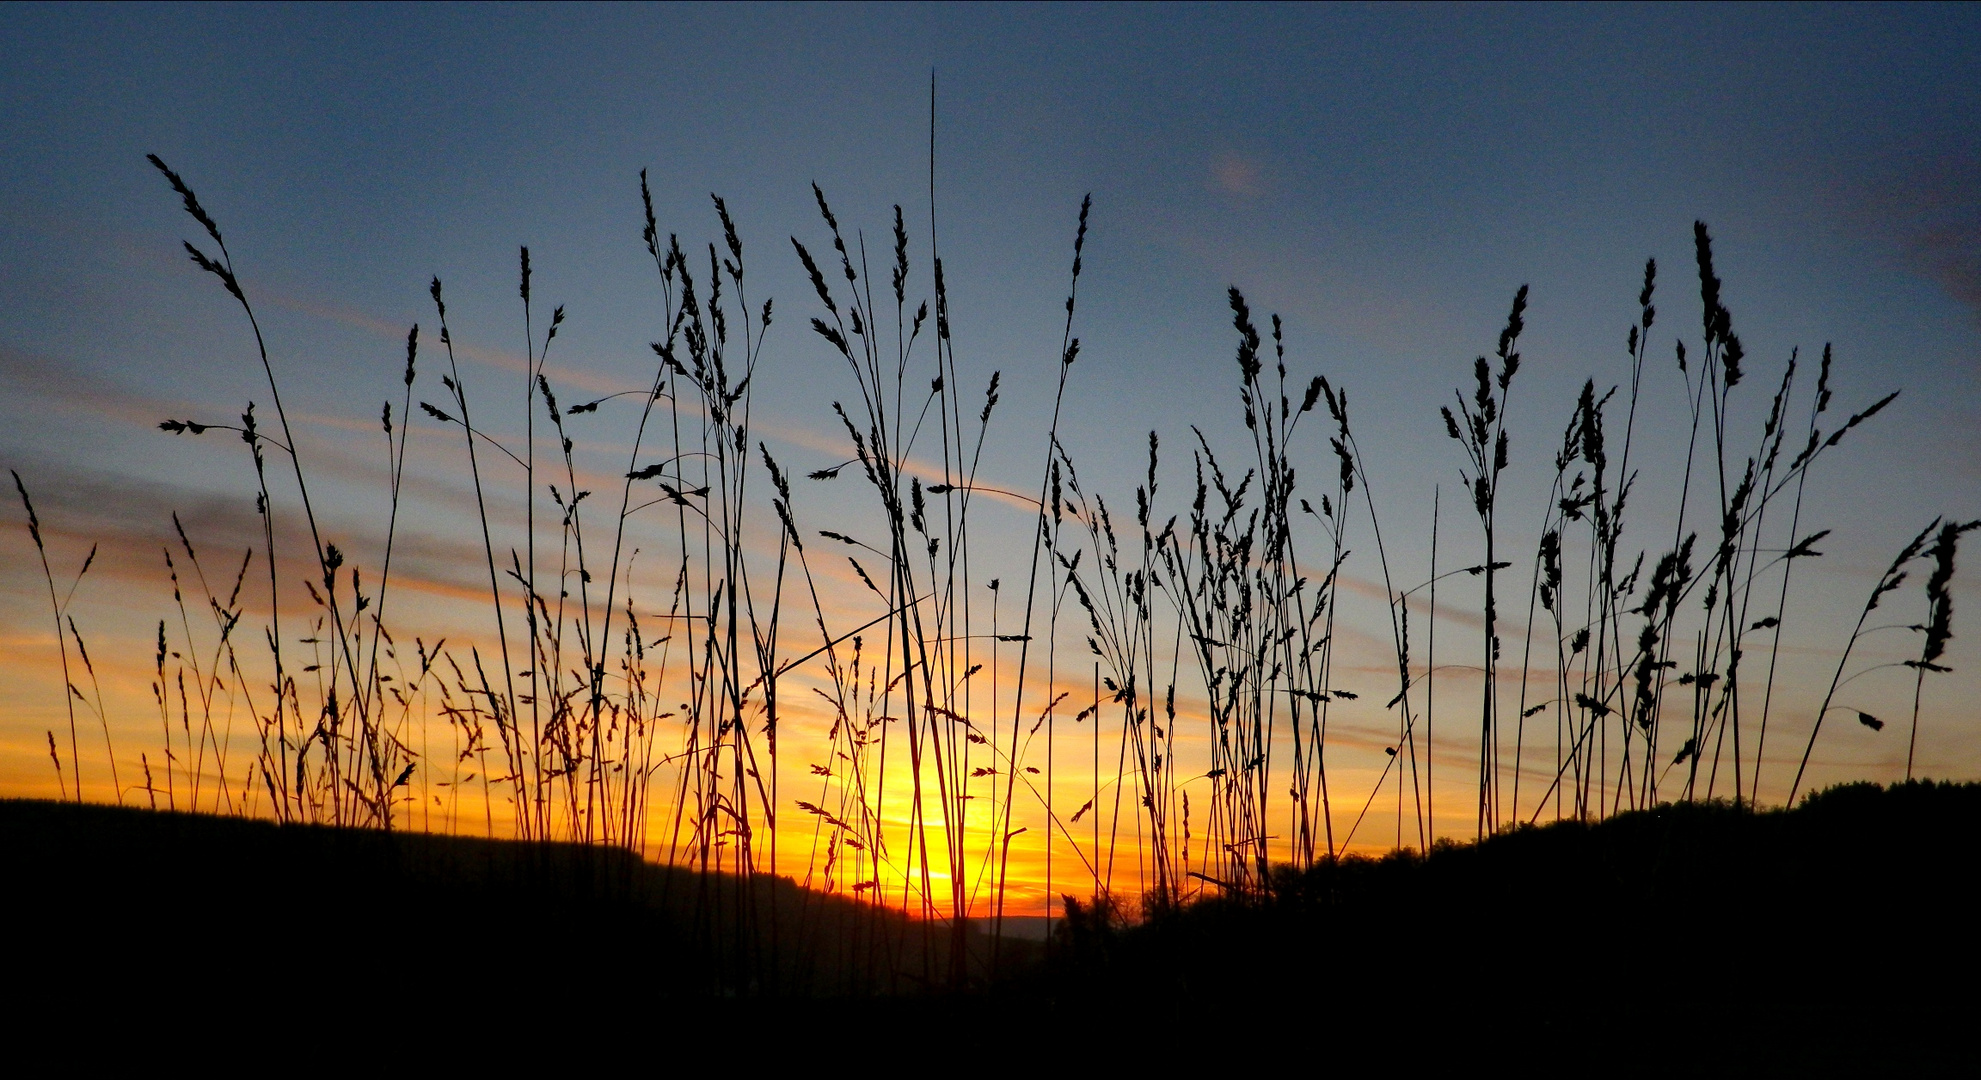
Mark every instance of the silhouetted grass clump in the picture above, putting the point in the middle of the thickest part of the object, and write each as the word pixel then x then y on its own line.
pixel 640 704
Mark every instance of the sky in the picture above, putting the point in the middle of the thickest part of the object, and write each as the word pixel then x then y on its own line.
pixel 1384 178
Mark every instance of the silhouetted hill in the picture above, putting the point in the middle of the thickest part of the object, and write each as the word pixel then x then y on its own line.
pixel 1839 935
pixel 122 897
pixel 1843 931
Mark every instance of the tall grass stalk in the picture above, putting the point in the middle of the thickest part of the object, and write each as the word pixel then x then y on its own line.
pixel 598 704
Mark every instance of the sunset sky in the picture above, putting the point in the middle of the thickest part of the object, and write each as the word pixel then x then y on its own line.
pixel 1383 178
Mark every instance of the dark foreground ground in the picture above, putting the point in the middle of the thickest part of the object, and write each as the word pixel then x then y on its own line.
pixel 1842 936
pixel 136 895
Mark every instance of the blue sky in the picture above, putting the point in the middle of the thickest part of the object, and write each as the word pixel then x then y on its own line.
pixel 1383 177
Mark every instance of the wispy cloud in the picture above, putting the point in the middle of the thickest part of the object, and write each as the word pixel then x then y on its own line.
pixel 1933 211
pixel 1237 175
pixel 42 379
